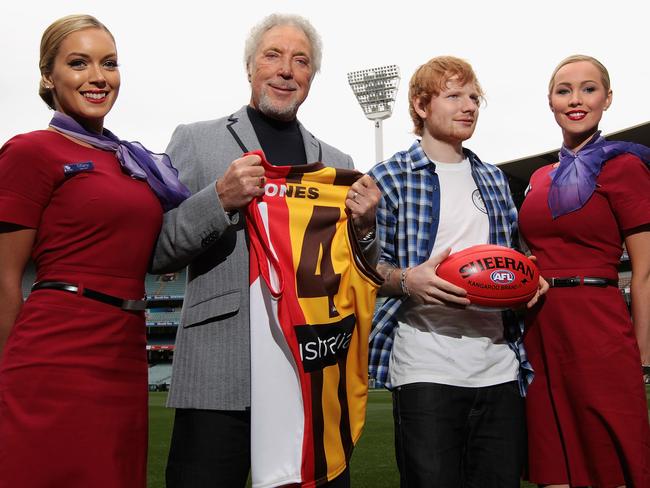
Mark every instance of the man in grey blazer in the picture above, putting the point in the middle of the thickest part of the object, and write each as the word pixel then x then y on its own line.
pixel 211 377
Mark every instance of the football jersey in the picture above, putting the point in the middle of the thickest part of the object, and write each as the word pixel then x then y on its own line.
pixel 312 298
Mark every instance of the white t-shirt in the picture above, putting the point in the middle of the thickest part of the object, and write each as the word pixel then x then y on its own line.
pixel 438 344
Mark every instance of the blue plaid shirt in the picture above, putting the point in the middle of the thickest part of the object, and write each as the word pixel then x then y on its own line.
pixel 407 225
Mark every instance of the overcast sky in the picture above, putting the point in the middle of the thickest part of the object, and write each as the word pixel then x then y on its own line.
pixel 181 61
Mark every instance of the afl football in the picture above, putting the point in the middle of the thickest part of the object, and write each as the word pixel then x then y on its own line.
pixel 493 276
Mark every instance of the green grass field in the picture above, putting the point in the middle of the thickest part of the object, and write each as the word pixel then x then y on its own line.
pixel 373 462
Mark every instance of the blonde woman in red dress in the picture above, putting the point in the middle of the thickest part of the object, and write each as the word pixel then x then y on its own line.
pixel 586 408
pixel 86 208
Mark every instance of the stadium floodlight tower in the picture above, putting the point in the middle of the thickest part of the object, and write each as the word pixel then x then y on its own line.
pixel 375 90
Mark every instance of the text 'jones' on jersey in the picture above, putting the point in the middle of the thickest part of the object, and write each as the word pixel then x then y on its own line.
pixel 293 191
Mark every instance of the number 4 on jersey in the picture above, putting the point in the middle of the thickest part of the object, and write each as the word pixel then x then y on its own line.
pixel 317 242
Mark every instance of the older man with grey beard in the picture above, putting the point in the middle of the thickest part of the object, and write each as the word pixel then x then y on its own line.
pixel 211 378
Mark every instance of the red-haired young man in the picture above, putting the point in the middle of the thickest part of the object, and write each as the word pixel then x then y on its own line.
pixel 457 374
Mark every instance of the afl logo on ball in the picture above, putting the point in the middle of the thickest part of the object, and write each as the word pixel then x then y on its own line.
pixel 502 277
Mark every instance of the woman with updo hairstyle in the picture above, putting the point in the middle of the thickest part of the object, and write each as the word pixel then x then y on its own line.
pixel 86 208
pixel 586 408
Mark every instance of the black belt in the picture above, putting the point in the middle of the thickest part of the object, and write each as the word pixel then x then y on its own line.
pixel 580 280
pixel 131 305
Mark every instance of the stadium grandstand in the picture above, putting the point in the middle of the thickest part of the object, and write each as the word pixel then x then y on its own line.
pixel 164 301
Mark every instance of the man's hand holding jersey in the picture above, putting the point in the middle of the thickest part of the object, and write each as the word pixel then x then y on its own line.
pixel 362 200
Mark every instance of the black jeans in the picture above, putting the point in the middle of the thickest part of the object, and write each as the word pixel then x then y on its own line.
pixel 453 437
pixel 211 449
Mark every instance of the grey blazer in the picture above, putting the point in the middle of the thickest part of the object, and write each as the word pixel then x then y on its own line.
pixel 212 358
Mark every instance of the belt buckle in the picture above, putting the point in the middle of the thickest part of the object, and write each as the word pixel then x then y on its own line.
pixel 134 305
pixel 599 282
pixel 565 282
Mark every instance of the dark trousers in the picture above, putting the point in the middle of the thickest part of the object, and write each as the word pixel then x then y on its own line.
pixel 211 449
pixel 457 437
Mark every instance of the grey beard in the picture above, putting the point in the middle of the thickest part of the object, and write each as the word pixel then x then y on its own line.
pixel 285 113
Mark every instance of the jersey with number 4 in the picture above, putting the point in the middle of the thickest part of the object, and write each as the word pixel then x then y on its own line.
pixel 311 304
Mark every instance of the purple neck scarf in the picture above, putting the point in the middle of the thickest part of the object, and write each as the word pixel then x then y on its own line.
pixel 136 160
pixel 574 180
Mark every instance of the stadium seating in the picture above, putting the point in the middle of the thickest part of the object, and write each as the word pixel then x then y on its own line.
pixel 165 296
pixel 172 284
pixel 164 318
pixel 159 375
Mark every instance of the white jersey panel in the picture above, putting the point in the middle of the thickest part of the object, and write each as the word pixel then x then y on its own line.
pixel 276 456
